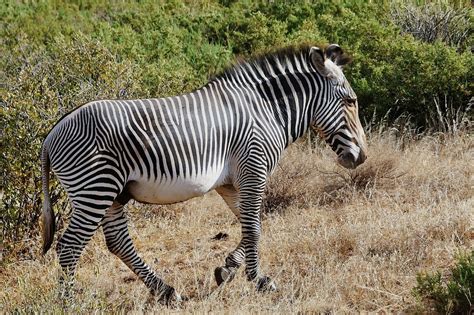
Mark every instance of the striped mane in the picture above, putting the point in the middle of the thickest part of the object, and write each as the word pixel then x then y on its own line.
pixel 288 59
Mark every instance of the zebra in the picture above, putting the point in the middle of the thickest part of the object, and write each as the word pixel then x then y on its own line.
pixel 226 136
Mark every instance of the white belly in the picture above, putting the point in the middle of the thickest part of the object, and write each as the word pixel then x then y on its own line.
pixel 164 191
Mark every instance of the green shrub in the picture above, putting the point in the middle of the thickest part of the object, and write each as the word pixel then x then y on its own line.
pixel 40 87
pixel 452 293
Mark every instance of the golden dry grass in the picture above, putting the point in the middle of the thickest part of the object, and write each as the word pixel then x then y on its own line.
pixel 334 240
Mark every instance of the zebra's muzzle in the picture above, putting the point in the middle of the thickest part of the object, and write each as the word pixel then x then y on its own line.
pixel 348 160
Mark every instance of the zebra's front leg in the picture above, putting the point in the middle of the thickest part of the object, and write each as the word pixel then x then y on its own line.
pixel 235 259
pixel 250 202
pixel 120 244
pixel 250 238
pixel 232 263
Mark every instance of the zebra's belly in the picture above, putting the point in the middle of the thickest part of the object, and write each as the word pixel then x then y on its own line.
pixel 165 191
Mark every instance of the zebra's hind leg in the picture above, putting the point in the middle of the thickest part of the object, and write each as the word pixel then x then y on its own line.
pixel 84 222
pixel 120 244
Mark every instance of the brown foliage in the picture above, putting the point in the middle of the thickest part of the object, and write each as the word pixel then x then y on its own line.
pixel 334 240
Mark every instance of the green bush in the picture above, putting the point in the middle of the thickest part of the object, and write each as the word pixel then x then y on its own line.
pixel 40 87
pixel 55 56
pixel 450 294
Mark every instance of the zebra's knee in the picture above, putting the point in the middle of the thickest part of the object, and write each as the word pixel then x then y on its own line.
pixel 113 242
pixel 251 236
pixel 61 253
pixel 116 240
pixel 66 251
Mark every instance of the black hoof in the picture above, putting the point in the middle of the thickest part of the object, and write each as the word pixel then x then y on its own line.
pixel 223 274
pixel 169 297
pixel 265 284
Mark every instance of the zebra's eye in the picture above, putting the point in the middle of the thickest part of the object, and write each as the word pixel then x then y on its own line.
pixel 351 102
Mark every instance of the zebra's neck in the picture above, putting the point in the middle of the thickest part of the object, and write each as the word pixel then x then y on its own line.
pixel 282 92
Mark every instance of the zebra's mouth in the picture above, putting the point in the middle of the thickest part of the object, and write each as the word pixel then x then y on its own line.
pixel 348 160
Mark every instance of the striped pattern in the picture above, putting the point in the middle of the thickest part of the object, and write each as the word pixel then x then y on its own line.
pixel 228 135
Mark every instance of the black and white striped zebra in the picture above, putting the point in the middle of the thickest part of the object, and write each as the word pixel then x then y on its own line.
pixel 227 136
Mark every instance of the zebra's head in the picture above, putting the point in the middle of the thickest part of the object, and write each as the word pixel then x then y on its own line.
pixel 336 115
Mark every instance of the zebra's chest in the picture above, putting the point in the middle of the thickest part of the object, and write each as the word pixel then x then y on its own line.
pixel 166 191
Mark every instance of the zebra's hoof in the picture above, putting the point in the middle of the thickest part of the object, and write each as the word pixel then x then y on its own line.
pixel 265 284
pixel 223 274
pixel 169 297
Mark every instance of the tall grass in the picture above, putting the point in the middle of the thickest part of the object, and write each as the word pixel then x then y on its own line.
pixel 334 240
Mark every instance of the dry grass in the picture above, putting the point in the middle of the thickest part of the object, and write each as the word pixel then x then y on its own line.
pixel 333 240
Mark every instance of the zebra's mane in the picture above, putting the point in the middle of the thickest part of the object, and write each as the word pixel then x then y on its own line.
pixel 282 60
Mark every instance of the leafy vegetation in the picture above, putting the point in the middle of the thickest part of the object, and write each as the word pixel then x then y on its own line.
pixel 454 294
pixel 55 56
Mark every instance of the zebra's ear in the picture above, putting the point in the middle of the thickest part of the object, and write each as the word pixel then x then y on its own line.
pixel 317 59
pixel 336 54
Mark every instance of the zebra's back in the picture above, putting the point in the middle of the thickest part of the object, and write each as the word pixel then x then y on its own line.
pixel 167 150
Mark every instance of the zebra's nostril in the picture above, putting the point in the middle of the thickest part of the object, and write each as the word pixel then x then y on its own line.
pixel 347 160
pixel 362 157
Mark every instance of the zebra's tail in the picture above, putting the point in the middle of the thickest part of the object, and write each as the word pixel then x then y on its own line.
pixel 48 221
